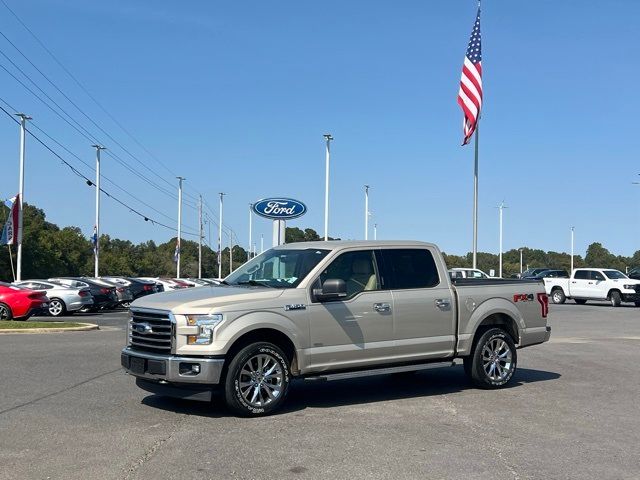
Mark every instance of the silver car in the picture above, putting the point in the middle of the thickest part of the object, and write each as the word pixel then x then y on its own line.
pixel 62 299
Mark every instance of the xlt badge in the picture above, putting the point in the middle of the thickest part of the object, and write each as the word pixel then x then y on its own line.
pixel 295 306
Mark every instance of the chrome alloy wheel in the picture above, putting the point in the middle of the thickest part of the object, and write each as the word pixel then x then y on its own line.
pixel 55 308
pixel 497 360
pixel 4 313
pixel 557 296
pixel 260 380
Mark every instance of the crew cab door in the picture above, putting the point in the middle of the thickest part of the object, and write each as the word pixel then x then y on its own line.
pixel 424 308
pixel 587 284
pixel 355 330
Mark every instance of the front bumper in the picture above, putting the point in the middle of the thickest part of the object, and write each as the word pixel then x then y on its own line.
pixel 631 297
pixel 172 368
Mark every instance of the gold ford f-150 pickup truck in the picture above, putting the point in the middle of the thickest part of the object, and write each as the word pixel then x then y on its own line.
pixel 327 311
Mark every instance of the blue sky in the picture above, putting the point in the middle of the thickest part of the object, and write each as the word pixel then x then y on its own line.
pixel 235 96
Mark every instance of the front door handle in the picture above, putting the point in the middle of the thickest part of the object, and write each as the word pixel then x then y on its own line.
pixel 443 303
pixel 382 307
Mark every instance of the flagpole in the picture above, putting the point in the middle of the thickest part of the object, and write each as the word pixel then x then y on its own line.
pixel 13 272
pixel 23 129
pixel 475 199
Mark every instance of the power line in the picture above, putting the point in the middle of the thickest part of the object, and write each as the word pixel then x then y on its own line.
pixel 90 182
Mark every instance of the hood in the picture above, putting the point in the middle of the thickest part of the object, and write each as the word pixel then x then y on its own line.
pixel 203 299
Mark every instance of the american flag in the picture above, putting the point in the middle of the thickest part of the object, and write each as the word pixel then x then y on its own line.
pixel 470 93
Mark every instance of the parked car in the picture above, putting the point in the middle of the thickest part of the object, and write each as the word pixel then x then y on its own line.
pixel 62 299
pixel 467 273
pixel 529 273
pixel 19 303
pixel 139 288
pixel 123 292
pixel 168 284
pixel 594 284
pixel 634 273
pixel 551 274
pixel 104 297
pixel 329 311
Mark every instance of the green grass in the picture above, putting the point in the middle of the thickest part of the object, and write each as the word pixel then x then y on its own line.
pixel 17 324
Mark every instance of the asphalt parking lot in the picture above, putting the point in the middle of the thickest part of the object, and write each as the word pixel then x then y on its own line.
pixel 68 411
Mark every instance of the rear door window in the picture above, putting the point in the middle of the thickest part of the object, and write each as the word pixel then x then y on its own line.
pixel 409 268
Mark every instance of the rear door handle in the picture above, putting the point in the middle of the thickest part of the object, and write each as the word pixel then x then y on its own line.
pixel 443 303
pixel 382 307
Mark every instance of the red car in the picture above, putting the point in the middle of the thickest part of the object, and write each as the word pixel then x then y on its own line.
pixel 20 303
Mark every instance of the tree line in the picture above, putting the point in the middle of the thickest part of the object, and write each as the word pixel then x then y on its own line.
pixel 49 251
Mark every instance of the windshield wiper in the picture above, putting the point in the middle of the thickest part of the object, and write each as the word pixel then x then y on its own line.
pixel 254 283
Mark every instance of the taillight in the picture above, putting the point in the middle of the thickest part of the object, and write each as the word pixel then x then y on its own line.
pixel 147 288
pixel 543 299
pixel 121 289
pixel 83 293
pixel 105 291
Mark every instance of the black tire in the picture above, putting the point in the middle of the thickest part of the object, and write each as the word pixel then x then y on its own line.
pixel 637 304
pixel 5 312
pixel 615 298
pixel 580 301
pixel 495 347
pixel 57 307
pixel 558 296
pixel 257 386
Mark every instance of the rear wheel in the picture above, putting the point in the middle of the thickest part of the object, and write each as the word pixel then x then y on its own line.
pixel 615 299
pixel 493 360
pixel 57 307
pixel 558 296
pixel 580 302
pixel 5 312
pixel 257 380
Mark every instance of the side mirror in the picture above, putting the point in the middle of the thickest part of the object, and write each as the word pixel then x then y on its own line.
pixel 332 289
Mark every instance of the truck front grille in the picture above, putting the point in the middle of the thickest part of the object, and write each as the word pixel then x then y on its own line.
pixel 150 332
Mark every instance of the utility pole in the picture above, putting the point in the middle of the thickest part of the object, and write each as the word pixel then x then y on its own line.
pixel 250 231
pixel 200 238
pixel 520 250
pixel 23 131
pixel 328 139
pixel 96 272
pixel 572 243
pixel 366 212
pixel 220 239
pixel 178 246
pixel 501 207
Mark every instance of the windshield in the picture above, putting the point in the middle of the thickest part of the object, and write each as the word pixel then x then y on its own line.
pixel 277 268
pixel 614 274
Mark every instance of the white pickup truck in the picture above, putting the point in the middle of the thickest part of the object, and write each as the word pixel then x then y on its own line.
pixel 329 311
pixel 594 284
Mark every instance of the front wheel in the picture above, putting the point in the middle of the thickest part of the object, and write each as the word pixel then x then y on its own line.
pixel 558 296
pixel 257 380
pixel 493 360
pixel 56 307
pixel 615 298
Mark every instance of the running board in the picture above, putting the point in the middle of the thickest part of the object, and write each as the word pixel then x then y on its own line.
pixel 378 371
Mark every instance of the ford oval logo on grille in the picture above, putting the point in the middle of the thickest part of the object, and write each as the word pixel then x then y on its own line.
pixel 142 328
pixel 279 208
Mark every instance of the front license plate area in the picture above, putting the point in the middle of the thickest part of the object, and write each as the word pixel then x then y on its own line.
pixel 137 365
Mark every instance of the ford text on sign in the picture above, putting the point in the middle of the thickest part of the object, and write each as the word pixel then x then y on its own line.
pixel 279 208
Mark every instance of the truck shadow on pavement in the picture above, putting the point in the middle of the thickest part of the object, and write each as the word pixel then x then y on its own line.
pixel 358 391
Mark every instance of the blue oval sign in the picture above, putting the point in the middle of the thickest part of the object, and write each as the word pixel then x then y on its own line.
pixel 279 208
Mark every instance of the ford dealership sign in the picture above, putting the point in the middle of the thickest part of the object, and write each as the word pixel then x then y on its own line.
pixel 279 208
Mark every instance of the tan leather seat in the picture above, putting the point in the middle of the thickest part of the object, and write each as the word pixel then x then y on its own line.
pixel 362 278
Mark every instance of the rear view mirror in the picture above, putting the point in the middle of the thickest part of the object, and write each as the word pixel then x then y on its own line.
pixel 332 289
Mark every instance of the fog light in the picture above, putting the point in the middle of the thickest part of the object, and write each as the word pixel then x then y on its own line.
pixel 189 368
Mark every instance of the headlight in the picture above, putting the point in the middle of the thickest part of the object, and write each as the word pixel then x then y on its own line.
pixel 206 324
pixel 629 287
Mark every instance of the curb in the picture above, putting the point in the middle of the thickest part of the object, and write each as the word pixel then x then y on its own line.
pixel 85 327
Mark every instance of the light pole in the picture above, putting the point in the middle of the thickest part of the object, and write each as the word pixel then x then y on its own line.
pixel 261 243
pixel 366 212
pixel 375 231
pixel 250 231
pixel 572 244
pixel 520 250
pixel 220 239
pixel 501 207
pixel 23 130
pixel 96 265
pixel 328 139
pixel 230 251
pixel 178 246
pixel 200 238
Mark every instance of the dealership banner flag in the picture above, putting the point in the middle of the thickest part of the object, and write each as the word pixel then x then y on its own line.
pixel 176 254
pixel 94 239
pixel 10 233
